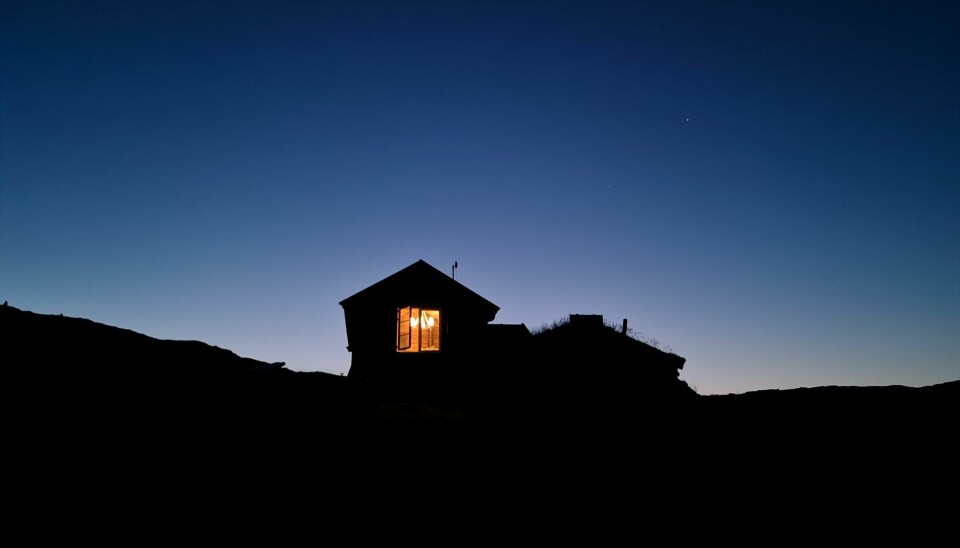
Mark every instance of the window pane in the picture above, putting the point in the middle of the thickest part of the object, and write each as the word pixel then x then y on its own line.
pixel 403 330
pixel 430 329
pixel 415 330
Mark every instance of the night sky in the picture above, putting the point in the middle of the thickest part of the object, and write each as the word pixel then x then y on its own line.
pixel 769 189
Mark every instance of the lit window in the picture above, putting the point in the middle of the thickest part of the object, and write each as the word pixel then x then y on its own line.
pixel 418 330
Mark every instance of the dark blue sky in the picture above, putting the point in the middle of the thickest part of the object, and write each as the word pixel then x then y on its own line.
pixel 770 189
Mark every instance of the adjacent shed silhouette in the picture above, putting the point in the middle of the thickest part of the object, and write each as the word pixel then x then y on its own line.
pixel 418 325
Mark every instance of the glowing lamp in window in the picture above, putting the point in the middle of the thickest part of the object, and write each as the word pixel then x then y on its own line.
pixel 418 330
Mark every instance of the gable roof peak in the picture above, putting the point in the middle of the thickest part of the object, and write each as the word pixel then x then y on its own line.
pixel 423 279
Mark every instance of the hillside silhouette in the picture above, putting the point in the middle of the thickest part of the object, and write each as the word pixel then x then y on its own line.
pixel 106 411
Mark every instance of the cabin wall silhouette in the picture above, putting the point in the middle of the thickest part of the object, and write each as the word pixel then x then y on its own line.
pixel 420 327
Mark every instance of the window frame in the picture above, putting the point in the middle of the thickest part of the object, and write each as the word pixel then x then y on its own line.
pixel 410 335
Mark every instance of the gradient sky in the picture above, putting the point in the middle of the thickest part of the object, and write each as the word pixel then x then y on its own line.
pixel 769 189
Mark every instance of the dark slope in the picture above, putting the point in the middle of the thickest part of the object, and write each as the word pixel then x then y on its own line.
pixel 76 347
pixel 106 416
pixel 105 420
pixel 887 452
pixel 830 409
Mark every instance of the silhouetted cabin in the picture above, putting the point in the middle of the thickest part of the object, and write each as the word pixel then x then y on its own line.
pixel 421 326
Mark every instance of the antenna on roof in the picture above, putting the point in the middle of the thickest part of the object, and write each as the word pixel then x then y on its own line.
pixel 454 270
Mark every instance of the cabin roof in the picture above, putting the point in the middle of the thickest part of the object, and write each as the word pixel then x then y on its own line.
pixel 418 284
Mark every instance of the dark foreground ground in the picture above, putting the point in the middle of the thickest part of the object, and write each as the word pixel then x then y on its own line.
pixel 116 431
